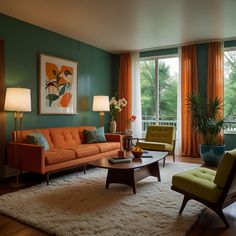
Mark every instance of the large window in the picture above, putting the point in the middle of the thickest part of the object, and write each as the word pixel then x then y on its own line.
pixel 230 88
pixel 159 83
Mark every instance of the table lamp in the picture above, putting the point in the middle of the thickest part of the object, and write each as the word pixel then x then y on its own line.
pixel 101 104
pixel 19 101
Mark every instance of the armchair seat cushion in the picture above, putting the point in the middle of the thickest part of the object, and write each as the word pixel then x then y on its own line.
pixel 155 146
pixel 198 182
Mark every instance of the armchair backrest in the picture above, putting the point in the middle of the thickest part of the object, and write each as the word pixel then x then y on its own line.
pixel 226 173
pixel 160 133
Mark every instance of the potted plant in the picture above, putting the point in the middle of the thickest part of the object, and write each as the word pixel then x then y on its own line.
pixel 209 123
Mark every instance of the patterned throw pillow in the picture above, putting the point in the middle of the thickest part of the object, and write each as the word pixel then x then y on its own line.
pixel 38 139
pixel 95 135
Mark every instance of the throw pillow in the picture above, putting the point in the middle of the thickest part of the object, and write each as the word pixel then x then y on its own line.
pixel 95 135
pixel 38 139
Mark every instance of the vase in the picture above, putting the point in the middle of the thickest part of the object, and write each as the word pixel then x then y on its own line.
pixel 128 132
pixel 212 155
pixel 113 126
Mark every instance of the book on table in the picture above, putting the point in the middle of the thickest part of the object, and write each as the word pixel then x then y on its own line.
pixel 119 159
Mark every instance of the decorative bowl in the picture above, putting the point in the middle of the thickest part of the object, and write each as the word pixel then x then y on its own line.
pixel 137 153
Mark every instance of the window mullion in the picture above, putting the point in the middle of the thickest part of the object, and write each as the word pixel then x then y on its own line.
pixel 157 91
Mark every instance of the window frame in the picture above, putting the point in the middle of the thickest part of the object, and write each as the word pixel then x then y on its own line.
pixel 156 58
pixel 231 48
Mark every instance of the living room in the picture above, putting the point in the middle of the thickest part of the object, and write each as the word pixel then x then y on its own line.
pixel 25 37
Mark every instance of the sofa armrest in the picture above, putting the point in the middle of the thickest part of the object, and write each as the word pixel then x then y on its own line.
pixel 113 137
pixel 30 157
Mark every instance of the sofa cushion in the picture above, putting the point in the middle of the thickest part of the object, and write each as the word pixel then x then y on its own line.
pixel 108 146
pixel 58 156
pixel 45 132
pixel 65 137
pixel 85 150
pixel 37 138
pixel 95 136
pixel 199 182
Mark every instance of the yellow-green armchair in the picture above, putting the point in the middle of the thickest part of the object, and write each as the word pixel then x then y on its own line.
pixel 159 138
pixel 215 189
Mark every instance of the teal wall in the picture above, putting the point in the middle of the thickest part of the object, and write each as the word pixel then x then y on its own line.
pixel 202 63
pixel 23 44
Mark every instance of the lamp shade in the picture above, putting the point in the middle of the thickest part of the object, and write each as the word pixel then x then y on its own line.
pixel 101 103
pixel 17 99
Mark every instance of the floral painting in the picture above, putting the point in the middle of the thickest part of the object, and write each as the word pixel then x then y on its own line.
pixel 58 85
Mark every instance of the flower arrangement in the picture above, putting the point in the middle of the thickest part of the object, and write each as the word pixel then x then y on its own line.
pixel 132 118
pixel 115 106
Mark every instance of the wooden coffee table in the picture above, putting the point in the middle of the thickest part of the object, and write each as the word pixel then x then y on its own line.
pixel 134 171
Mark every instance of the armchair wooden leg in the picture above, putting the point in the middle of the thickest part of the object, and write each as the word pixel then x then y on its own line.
pixel 185 200
pixel 173 156
pixel 220 213
pixel 164 161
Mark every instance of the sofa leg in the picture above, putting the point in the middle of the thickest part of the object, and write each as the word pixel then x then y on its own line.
pixel 47 178
pixel 84 168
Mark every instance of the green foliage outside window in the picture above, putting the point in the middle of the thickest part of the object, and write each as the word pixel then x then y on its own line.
pixel 167 91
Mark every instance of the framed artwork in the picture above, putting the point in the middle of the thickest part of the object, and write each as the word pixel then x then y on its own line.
pixel 57 85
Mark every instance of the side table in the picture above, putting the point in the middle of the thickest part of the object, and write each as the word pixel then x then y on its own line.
pixel 128 142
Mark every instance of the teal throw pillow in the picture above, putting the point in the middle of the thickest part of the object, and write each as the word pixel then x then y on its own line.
pixel 95 135
pixel 38 139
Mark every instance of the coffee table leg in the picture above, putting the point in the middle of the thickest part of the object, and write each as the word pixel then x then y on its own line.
pixel 155 170
pixel 158 173
pixel 122 177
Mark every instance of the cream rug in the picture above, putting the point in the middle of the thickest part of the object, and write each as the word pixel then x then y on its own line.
pixel 78 204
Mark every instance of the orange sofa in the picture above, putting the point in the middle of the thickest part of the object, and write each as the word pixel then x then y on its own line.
pixel 67 148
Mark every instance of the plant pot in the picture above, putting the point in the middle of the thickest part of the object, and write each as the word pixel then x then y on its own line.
pixel 212 155
pixel 113 126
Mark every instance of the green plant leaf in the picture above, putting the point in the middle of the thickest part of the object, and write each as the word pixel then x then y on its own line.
pixel 52 97
pixel 62 90
pixel 206 117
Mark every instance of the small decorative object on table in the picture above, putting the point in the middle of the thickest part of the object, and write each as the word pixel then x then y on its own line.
pixel 121 153
pixel 129 132
pixel 137 152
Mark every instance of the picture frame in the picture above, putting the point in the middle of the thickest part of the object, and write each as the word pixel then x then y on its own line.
pixel 57 85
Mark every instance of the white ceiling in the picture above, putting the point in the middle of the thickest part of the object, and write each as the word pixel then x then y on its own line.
pixel 130 25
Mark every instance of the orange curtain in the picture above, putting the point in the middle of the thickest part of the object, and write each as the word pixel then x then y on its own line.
pixel 189 85
pixel 215 82
pixel 125 91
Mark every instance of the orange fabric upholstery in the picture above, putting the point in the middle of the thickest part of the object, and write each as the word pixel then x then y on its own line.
pixel 58 156
pixel 105 147
pixel 85 150
pixel 67 149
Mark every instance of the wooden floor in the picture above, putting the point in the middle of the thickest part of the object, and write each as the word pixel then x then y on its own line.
pixel 208 224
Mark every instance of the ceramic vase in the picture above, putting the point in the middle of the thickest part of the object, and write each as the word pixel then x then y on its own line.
pixel 212 155
pixel 113 126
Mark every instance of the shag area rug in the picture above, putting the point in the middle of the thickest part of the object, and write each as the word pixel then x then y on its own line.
pixel 79 204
